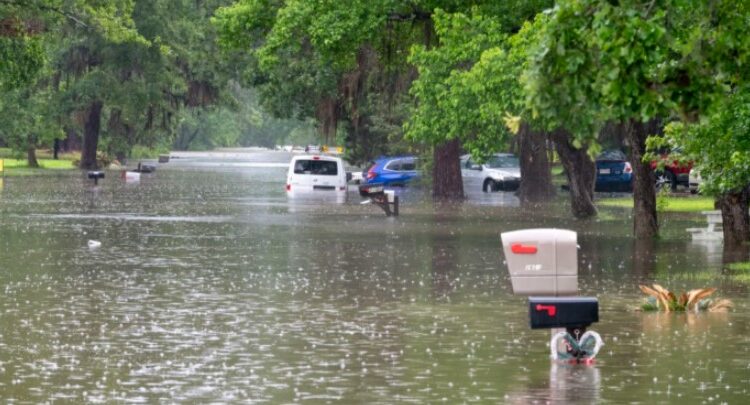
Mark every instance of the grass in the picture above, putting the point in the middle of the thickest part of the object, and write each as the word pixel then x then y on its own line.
pixel 673 203
pixel 705 276
pixel 740 266
pixel 14 165
pixel 59 164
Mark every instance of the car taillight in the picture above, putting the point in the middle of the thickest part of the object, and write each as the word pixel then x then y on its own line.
pixel 628 168
pixel 288 187
pixel 371 173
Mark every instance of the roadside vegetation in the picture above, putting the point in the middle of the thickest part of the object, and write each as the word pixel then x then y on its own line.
pixel 15 166
pixel 550 80
pixel 670 203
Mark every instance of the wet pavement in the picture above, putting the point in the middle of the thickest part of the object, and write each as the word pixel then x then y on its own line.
pixel 210 285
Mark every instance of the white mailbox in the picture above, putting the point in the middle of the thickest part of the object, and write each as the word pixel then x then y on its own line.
pixel 542 261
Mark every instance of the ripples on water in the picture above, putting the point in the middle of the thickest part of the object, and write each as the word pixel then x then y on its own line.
pixel 210 286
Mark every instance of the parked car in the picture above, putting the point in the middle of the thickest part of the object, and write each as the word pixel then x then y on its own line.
pixel 613 172
pixel 356 177
pixel 671 171
pixel 392 171
pixel 501 172
pixel 694 181
pixel 316 174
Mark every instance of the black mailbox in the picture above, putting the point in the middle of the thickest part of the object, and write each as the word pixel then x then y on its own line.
pixel 372 189
pixel 95 176
pixel 563 312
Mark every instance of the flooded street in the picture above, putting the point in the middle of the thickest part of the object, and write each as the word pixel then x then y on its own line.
pixel 211 286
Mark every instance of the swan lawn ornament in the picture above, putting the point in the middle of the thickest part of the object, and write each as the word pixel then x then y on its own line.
pixel 564 347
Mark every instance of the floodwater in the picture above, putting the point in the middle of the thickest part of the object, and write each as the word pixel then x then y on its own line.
pixel 211 286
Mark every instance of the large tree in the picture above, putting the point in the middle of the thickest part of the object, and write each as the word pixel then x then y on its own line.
pixel 30 32
pixel 719 147
pixel 118 72
pixel 345 63
pixel 636 63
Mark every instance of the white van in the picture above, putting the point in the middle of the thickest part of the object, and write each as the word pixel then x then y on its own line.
pixel 316 173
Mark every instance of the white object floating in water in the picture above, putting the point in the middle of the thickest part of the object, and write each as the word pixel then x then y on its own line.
pixel 131 176
pixel 93 244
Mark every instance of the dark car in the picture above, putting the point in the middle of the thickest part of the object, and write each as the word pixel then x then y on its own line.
pixel 613 172
pixel 391 170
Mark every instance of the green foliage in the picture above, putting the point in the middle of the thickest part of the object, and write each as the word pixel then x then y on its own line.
pixel 459 88
pixel 21 59
pixel 662 200
pixel 346 63
pixel 25 115
pixel 635 60
pixel 469 85
pixel 719 145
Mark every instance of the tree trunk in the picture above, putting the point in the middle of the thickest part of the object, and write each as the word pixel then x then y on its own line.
pixel 645 224
pixel 31 156
pixel 72 141
pixel 581 172
pixel 91 128
pixel 536 179
pixel 447 184
pixel 734 217
pixel 644 259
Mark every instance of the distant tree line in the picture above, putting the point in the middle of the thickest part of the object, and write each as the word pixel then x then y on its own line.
pixel 435 77
pixel 105 77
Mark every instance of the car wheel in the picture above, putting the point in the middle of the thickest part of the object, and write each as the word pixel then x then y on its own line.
pixel 666 179
pixel 489 186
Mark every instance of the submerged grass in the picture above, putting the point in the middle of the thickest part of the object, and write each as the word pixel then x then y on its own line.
pixel 671 203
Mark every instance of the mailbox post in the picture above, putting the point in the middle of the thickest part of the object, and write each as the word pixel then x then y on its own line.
pixel 544 263
pixel 385 199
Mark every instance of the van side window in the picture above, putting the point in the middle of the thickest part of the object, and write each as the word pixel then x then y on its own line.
pixel 316 167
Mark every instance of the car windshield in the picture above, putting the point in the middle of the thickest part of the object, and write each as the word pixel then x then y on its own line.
pixel 611 155
pixel 503 162
pixel 317 167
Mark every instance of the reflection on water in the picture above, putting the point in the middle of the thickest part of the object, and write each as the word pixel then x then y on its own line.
pixel 568 384
pixel 212 286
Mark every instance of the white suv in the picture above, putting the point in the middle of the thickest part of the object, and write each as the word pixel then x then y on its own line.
pixel 316 173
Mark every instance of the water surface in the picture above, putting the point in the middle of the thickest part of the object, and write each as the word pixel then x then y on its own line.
pixel 211 286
